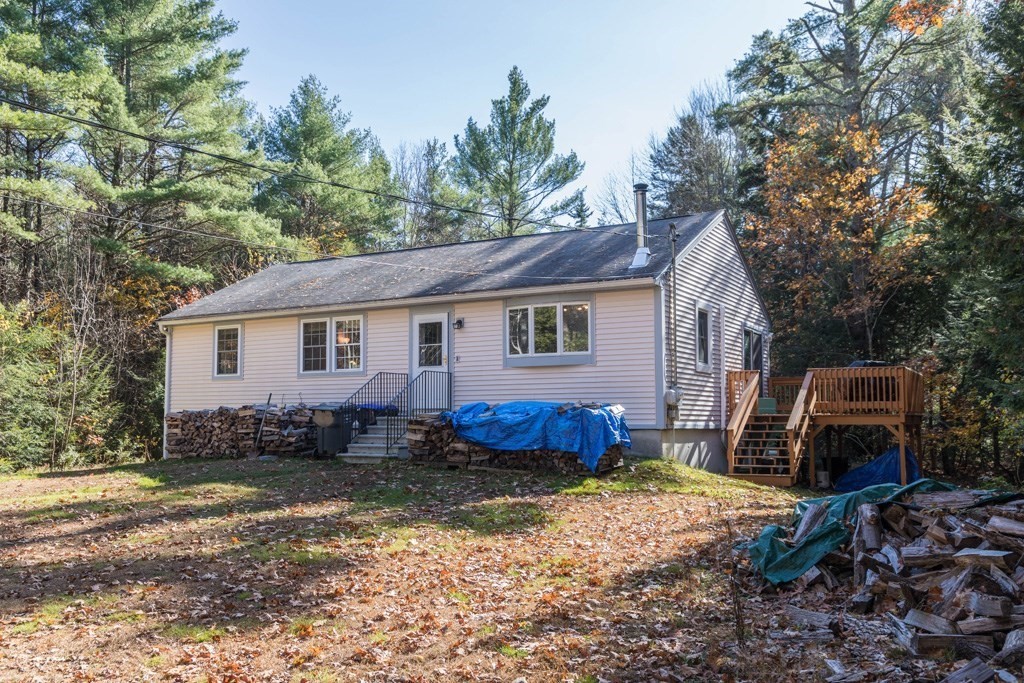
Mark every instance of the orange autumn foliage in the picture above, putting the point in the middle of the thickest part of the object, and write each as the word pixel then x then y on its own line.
pixel 828 244
pixel 917 16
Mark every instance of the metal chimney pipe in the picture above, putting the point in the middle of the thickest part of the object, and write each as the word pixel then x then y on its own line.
pixel 640 192
pixel 643 255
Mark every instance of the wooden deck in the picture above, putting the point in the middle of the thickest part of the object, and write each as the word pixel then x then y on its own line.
pixel 769 446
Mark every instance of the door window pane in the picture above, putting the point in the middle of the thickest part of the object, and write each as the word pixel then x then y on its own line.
pixel 348 344
pixel 227 351
pixel 576 328
pixel 430 344
pixel 518 331
pixel 545 329
pixel 314 346
pixel 752 350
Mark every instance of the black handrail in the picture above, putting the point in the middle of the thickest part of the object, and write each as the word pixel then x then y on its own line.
pixel 429 392
pixel 375 397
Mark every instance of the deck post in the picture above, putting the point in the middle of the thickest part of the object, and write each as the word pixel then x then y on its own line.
pixel 903 453
pixel 810 463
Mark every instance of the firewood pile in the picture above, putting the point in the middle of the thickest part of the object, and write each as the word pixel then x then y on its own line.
pixel 433 441
pixel 239 432
pixel 940 573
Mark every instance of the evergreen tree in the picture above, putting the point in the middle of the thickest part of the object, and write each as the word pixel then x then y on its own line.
pixel 311 137
pixel 695 167
pixel 511 162
pixel 977 182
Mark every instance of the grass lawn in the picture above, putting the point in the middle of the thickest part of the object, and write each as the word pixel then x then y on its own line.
pixel 239 571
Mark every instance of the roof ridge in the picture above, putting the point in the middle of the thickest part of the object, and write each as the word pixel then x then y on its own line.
pixel 599 229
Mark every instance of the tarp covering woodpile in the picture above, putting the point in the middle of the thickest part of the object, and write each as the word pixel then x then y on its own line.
pixel 588 431
pixel 940 568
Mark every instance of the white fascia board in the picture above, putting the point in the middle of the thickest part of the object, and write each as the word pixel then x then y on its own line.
pixel 631 283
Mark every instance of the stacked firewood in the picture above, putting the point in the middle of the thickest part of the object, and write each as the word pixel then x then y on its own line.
pixel 432 440
pixel 239 432
pixel 286 431
pixel 942 570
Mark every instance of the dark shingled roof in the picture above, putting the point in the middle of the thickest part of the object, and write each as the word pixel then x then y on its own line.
pixel 542 259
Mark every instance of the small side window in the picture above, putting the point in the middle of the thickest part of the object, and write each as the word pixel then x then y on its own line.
pixel 703 339
pixel 228 351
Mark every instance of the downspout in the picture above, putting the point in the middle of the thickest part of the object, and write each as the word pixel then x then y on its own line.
pixel 673 341
pixel 168 333
pixel 721 371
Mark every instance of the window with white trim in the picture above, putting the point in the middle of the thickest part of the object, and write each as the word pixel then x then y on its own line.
pixel 702 338
pixel 333 344
pixel 548 329
pixel 314 345
pixel 227 360
pixel 348 343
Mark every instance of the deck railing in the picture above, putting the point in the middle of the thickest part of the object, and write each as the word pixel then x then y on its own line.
pixel 736 381
pixel 784 390
pixel 798 428
pixel 855 391
pixel 742 410
pixel 868 391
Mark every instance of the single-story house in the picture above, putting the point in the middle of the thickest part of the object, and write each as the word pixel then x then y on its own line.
pixel 595 315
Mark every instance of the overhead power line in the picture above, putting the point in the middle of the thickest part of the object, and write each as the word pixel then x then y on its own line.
pixel 291 175
pixel 359 257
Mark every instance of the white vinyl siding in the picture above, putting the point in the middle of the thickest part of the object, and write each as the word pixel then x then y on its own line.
pixel 712 275
pixel 622 341
pixel 270 350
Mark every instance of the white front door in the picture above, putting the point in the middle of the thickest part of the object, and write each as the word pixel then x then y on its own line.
pixel 430 355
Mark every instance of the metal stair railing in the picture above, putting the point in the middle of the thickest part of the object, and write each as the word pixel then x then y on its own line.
pixel 428 392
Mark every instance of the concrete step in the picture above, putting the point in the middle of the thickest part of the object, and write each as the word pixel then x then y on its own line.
pixel 383 430
pixel 370 459
pixel 373 437
pixel 374 448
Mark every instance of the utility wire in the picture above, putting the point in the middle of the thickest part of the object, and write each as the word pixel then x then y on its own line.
pixel 294 176
pixel 362 258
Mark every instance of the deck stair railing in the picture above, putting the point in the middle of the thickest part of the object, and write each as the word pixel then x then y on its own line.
pixel 801 419
pixel 748 386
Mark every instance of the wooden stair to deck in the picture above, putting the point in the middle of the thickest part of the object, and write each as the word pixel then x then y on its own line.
pixel 761 452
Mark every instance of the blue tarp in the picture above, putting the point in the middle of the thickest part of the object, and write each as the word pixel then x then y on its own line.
pixel 885 469
pixel 779 563
pixel 532 425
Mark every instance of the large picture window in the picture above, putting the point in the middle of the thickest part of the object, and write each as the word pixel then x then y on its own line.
pixel 331 345
pixel 548 330
pixel 227 361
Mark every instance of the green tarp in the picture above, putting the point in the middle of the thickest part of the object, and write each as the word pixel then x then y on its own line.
pixel 779 562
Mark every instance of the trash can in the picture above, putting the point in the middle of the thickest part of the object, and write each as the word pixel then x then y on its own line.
pixel 334 427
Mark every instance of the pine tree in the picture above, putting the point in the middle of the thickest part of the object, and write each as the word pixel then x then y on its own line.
pixel 977 182
pixel 312 137
pixel 512 163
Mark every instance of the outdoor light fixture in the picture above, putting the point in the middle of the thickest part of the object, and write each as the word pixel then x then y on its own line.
pixel 458 324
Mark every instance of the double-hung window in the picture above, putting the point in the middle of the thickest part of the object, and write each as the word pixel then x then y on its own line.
pixel 702 338
pixel 548 333
pixel 331 345
pixel 227 351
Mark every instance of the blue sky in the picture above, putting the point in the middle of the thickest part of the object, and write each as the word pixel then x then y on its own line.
pixel 615 71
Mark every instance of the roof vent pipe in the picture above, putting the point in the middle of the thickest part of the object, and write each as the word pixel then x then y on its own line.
pixel 643 252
